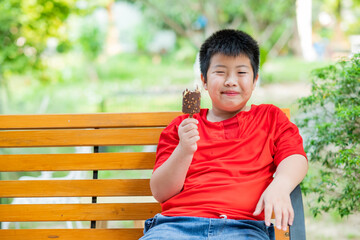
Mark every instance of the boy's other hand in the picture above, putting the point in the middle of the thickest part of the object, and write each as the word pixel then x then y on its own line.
pixel 277 200
pixel 189 135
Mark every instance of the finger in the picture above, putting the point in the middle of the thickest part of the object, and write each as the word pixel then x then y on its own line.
pixel 186 133
pixel 268 212
pixel 195 139
pixel 278 217
pixel 190 140
pixel 259 206
pixel 285 218
pixel 188 121
pixel 191 133
pixel 189 127
pixel 291 216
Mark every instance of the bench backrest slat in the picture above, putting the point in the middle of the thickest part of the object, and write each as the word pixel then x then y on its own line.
pixel 78 212
pixel 75 188
pixel 104 120
pixel 84 161
pixel 68 138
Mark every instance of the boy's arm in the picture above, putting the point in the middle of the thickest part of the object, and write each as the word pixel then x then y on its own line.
pixel 290 172
pixel 168 179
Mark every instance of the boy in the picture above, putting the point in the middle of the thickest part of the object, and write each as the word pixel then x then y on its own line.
pixel 214 173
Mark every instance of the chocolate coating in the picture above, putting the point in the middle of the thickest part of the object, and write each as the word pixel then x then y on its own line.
pixel 191 102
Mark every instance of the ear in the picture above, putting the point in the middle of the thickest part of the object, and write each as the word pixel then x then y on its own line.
pixel 255 81
pixel 203 81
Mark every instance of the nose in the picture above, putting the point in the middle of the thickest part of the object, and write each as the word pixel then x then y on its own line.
pixel 230 81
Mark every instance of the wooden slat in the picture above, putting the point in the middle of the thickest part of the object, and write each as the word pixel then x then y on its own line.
pixel 87 234
pixel 282 235
pixel 286 111
pixel 75 188
pixel 83 161
pixel 63 138
pixel 71 234
pixel 77 212
pixel 96 120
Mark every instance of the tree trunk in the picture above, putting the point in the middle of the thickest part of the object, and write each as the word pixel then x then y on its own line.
pixel 303 19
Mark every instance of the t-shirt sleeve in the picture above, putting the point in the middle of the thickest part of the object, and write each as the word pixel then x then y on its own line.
pixel 287 139
pixel 168 141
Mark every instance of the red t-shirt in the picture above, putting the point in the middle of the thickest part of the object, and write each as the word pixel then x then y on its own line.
pixel 234 163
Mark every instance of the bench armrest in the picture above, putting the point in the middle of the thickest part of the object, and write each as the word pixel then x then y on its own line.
pixel 297 230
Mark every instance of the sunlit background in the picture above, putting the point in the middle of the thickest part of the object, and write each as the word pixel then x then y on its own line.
pixel 68 56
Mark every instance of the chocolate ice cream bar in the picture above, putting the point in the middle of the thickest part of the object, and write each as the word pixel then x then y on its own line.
pixel 191 102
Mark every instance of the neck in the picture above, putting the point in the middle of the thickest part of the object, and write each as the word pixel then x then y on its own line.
pixel 214 115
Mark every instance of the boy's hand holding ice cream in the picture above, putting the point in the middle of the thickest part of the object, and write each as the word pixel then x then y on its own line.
pixel 187 131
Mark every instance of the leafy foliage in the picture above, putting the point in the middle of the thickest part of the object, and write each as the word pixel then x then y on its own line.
pixel 25 27
pixel 91 37
pixel 331 128
pixel 202 18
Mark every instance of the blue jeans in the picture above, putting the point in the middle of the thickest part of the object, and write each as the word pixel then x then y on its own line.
pixel 188 228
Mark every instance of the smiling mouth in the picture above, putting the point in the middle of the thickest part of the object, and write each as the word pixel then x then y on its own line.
pixel 230 93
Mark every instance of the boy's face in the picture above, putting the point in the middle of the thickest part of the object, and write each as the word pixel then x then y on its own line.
pixel 230 82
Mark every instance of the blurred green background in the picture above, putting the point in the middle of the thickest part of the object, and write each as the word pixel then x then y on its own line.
pixel 70 56
pixel 77 56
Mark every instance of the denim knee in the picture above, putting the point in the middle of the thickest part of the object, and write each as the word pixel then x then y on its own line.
pixel 149 223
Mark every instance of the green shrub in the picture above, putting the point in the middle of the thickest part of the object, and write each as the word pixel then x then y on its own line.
pixel 330 126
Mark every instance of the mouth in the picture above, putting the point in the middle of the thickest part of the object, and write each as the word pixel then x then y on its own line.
pixel 230 93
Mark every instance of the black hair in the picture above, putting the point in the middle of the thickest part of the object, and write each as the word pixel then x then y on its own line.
pixel 230 43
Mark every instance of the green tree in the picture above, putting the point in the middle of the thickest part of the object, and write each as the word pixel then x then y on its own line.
pixel 91 39
pixel 196 20
pixel 345 19
pixel 331 128
pixel 25 27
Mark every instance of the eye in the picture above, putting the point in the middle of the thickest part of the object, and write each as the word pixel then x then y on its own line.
pixel 219 72
pixel 242 72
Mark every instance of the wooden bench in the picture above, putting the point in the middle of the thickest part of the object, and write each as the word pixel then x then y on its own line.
pixel 65 131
